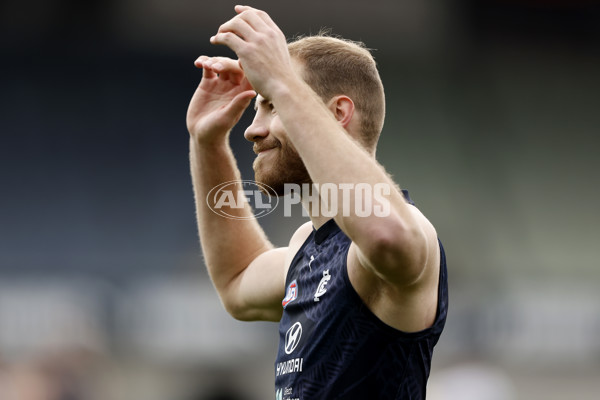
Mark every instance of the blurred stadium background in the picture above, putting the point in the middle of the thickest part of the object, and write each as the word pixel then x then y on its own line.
pixel 492 124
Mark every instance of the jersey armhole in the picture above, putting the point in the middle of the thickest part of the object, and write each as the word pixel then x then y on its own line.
pixel 441 307
pixel 296 257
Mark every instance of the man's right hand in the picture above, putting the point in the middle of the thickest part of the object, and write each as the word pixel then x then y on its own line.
pixel 220 99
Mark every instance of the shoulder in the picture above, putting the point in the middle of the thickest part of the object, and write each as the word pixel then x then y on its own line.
pixel 301 234
pixel 296 242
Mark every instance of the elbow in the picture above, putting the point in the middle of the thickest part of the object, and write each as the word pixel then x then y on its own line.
pixel 235 310
pixel 229 302
pixel 238 308
pixel 398 253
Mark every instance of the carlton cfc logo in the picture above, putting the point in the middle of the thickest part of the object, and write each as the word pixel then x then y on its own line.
pixel 291 294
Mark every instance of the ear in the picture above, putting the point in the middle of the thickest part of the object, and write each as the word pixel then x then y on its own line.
pixel 342 108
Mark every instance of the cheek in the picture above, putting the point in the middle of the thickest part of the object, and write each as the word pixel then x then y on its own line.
pixel 277 127
pixel 278 134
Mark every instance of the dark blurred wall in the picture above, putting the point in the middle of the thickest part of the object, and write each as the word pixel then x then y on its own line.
pixel 492 123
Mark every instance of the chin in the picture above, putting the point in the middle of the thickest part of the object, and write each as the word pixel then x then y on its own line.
pixel 280 172
pixel 272 180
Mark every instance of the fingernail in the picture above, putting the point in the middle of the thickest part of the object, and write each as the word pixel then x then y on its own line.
pixel 217 66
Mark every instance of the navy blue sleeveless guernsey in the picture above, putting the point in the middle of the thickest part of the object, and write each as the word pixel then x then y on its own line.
pixel 331 346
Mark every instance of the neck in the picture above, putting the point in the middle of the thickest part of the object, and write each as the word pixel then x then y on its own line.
pixel 314 211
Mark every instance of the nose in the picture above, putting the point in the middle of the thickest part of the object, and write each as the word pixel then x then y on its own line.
pixel 256 131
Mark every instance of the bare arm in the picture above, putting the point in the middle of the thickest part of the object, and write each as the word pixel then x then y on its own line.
pixel 393 261
pixel 246 270
pixel 396 247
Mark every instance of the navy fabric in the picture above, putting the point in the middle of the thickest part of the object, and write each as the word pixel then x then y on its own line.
pixel 332 346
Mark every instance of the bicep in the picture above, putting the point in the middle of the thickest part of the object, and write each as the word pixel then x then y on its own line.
pixel 403 259
pixel 256 293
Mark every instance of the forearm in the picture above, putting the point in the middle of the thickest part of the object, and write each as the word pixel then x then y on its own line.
pixel 228 245
pixel 331 156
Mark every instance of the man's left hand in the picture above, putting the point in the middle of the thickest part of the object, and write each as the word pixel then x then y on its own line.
pixel 261 48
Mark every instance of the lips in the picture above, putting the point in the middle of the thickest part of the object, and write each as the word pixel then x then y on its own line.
pixel 259 150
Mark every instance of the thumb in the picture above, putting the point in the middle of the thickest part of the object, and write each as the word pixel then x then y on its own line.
pixel 238 104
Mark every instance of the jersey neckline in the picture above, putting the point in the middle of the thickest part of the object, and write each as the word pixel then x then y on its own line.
pixel 325 230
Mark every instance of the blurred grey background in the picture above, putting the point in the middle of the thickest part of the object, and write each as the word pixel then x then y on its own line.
pixel 492 124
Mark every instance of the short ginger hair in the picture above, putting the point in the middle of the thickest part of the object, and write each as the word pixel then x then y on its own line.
pixel 336 66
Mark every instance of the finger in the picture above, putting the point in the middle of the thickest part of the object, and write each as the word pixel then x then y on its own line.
pixel 224 64
pixel 198 62
pixel 204 63
pixel 260 13
pixel 229 69
pixel 238 78
pixel 215 63
pixel 238 26
pixel 222 67
pixel 226 68
pixel 253 19
pixel 229 39
pixel 208 73
pixel 236 107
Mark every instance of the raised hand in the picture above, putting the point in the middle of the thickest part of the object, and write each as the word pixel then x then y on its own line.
pixel 220 99
pixel 261 48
